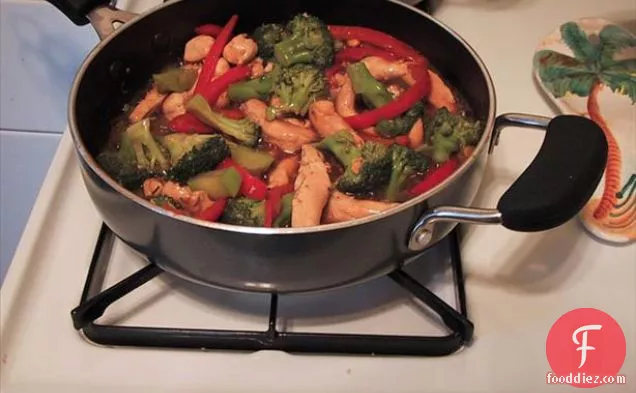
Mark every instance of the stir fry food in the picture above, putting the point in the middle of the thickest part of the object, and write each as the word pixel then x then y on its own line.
pixel 291 125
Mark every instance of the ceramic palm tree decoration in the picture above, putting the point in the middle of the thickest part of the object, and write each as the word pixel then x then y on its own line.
pixel 589 68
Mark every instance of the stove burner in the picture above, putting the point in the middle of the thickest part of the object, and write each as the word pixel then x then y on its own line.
pixel 91 308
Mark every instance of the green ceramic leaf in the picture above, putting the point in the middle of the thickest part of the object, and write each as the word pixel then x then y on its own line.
pixel 561 74
pixel 576 39
pixel 620 79
pixel 613 39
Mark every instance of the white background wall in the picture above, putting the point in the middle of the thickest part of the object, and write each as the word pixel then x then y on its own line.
pixel 40 51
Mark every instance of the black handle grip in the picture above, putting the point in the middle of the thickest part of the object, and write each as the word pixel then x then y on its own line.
pixel 560 179
pixel 76 10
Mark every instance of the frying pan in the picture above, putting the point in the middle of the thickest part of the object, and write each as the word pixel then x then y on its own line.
pixel 551 190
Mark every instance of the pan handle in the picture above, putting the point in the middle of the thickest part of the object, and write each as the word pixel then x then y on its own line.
pixel 102 14
pixel 553 188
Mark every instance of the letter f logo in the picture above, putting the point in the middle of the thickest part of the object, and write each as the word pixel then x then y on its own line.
pixel 584 347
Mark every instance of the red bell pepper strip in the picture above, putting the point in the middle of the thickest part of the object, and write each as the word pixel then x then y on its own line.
pixel 209 29
pixel 188 124
pixel 402 140
pixel 251 186
pixel 395 108
pixel 435 177
pixel 213 56
pixel 231 113
pixel 358 53
pixel 269 214
pixel 213 90
pixel 214 212
pixel 273 201
pixel 377 38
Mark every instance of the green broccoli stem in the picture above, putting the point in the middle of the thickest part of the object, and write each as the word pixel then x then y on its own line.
pixel 292 51
pixel 243 130
pixel 260 88
pixel 371 90
pixel 240 92
pixel 342 146
pixel 284 217
pixel 396 182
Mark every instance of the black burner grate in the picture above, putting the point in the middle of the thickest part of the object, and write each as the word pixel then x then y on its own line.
pixel 93 307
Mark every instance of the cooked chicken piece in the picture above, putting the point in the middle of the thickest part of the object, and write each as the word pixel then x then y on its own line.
pixel 384 70
pixel 345 101
pixel 192 201
pixel 197 48
pixel 441 95
pixel 336 82
pixel 223 100
pixel 269 67
pixel 346 98
pixel 289 137
pixel 222 66
pixel 416 134
pixel 274 101
pixel 284 172
pixel 395 90
pixel 342 208
pixel 152 187
pixel 240 50
pixel 256 68
pixel 311 189
pixel 326 121
pixel 149 103
pixel 174 105
pixel 298 122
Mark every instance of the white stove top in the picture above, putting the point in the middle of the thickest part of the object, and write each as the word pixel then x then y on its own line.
pixel 519 284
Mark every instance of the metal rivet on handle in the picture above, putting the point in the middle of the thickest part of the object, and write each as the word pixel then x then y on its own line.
pixel 420 239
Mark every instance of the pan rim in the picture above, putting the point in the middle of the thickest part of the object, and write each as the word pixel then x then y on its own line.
pixel 82 151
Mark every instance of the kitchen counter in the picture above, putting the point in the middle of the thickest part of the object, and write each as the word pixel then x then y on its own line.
pixel 518 284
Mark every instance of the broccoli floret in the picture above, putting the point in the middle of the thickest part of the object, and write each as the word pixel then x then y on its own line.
pixel 375 94
pixel 244 211
pixel 148 153
pixel 307 40
pixel 266 36
pixel 367 172
pixel 404 163
pixel 400 125
pixel 193 154
pixel 260 88
pixel 298 87
pixel 138 158
pixel 365 168
pixel 123 168
pixel 244 130
pixel 448 132
pixel 342 145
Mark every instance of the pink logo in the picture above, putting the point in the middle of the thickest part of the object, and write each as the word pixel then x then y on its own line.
pixel 585 348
